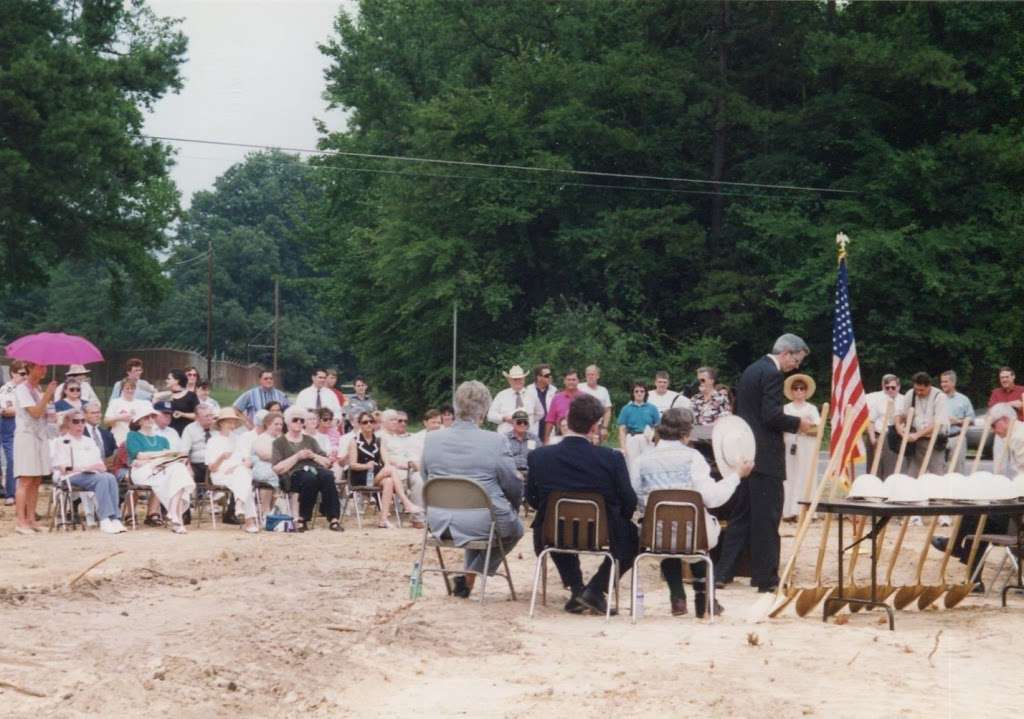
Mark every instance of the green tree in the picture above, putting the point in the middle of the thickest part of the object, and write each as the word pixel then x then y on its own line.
pixel 77 179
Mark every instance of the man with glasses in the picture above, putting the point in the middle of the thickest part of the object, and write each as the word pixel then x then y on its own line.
pixel 521 441
pixel 509 400
pixel 318 395
pixel 133 371
pixel 542 393
pixel 877 429
pixel 7 411
pixel 253 400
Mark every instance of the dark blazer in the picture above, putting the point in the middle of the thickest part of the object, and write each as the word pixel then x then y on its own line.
pixel 575 465
pixel 759 402
pixel 109 443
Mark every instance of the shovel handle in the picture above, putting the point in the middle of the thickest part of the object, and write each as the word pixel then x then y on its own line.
pixel 949 549
pixel 981 446
pixel 812 471
pixel 926 547
pixel 903 442
pixel 881 438
pixel 974 547
pixel 896 552
pixel 927 452
pixel 955 457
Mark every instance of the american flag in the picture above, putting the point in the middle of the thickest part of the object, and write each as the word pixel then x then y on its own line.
pixel 848 401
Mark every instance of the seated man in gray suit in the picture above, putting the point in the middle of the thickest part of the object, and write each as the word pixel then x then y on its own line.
pixel 465 450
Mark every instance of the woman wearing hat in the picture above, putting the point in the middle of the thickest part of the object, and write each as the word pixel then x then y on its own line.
pixel 154 465
pixel 230 466
pixel 72 398
pixel 801 449
pixel 120 411
pixel 80 374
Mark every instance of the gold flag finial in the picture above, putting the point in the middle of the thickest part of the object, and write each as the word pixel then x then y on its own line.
pixel 841 241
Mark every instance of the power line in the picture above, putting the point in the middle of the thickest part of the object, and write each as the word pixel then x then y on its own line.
pixel 522 168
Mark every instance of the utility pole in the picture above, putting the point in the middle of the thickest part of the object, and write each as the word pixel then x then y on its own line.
pixel 277 318
pixel 209 309
pixel 455 342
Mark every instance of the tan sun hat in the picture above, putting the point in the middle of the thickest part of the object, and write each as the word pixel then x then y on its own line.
pixel 515 373
pixel 77 369
pixel 787 388
pixel 227 414
pixel 145 410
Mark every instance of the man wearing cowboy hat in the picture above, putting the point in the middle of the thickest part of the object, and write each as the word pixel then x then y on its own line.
pixel 755 521
pixel 79 372
pixel 509 400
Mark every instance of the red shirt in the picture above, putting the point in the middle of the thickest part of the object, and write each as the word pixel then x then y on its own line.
pixel 340 395
pixel 1007 395
pixel 559 408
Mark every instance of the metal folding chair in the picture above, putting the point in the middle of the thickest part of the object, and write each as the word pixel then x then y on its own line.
pixel 62 499
pixel 1006 542
pixel 357 495
pixel 456 493
pixel 674 528
pixel 575 523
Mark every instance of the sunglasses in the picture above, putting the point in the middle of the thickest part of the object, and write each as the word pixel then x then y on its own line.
pixel 522 421
pixel 297 420
pixel 545 374
pixel 366 421
pixel 73 389
pixel 326 419
pixel 78 421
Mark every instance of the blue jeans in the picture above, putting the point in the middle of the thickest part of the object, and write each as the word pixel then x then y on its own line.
pixel 104 486
pixel 7 442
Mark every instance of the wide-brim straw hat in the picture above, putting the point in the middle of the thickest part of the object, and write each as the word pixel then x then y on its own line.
pixel 515 373
pixel 77 369
pixel 732 442
pixel 787 388
pixel 227 414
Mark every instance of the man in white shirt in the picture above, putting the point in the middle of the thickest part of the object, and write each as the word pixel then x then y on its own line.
pixel 163 424
pixel 591 387
pixel 541 392
pixel 663 398
pixel 510 399
pixel 930 415
pixel 193 442
pixel 77 458
pixel 404 452
pixel 877 429
pixel 318 395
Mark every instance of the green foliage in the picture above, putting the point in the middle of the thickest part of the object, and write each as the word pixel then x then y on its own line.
pixel 77 179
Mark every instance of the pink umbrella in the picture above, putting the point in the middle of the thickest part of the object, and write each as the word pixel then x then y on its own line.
pixel 52 348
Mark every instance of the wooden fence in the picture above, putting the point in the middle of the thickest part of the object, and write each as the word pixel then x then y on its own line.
pixel 158 361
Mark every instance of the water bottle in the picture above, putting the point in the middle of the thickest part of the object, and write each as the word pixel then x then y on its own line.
pixel 369 476
pixel 639 603
pixel 415 582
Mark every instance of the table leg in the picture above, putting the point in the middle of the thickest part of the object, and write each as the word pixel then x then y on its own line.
pixel 825 614
pixel 1020 560
pixel 874 586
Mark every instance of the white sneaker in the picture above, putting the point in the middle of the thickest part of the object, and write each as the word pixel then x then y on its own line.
pixel 107 526
pixel 120 525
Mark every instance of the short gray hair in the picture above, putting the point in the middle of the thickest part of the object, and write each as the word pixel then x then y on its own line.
pixel 886 378
pixel 675 424
pixel 1001 411
pixel 472 400
pixel 951 374
pixel 90 406
pixel 790 343
pixel 388 415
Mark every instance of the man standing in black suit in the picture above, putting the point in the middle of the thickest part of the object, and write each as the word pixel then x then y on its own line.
pixel 576 465
pixel 755 521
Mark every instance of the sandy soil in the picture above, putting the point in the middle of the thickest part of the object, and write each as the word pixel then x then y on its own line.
pixel 218 623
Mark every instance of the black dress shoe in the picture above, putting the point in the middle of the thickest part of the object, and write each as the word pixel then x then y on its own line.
pixel 700 603
pixel 594 600
pixel 768 590
pixel 460 589
pixel 573 606
pixel 679 606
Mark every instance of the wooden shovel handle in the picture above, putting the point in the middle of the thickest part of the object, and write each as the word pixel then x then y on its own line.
pixel 927 452
pixel 974 547
pixel 813 469
pixel 949 548
pixel 858 532
pixel 926 547
pixel 896 552
pixel 981 446
pixel 903 442
pixel 881 438
pixel 954 458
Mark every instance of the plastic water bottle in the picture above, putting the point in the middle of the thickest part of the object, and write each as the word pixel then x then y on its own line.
pixel 415 582
pixel 369 476
pixel 639 603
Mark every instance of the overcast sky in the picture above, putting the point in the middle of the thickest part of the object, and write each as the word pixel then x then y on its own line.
pixel 253 75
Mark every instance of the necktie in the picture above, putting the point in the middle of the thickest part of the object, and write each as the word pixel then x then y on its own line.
pixel 519 400
pixel 206 435
pixel 318 399
pixel 97 438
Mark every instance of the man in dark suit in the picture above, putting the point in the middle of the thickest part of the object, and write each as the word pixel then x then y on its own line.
pixel 575 465
pixel 755 521
pixel 102 436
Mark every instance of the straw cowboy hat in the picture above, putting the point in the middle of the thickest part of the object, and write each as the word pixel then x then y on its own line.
pixel 733 443
pixel 227 414
pixel 77 369
pixel 787 388
pixel 515 373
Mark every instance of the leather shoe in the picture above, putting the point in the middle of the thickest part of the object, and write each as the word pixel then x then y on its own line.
pixel 700 601
pixel 979 588
pixel 679 607
pixel 460 589
pixel 940 543
pixel 594 600
pixel 768 590
pixel 573 606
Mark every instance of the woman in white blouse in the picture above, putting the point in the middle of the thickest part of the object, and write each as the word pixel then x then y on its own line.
pixel 121 410
pixel 230 465
pixel 801 449
pixel 31 445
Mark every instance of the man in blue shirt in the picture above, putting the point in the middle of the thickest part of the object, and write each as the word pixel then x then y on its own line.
pixel 253 400
pixel 959 407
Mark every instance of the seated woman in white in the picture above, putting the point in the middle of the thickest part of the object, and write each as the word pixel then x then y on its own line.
pixel 121 411
pixel 156 466
pixel 228 459
pixel 673 465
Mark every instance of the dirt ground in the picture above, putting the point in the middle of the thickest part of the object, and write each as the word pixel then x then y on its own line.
pixel 219 623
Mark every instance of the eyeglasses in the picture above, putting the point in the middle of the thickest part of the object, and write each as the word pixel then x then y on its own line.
pixel 73 389
pixel 545 374
pixel 402 421
pixel 799 388
pixel 892 387
pixel 22 372
pixel 522 421
pixel 297 420
pixel 326 419
pixel 366 421
pixel 78 421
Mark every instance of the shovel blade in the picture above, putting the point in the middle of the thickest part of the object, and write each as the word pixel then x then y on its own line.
pixel 809 599
pixel 905 595
pixel 929 595
pixel 957 594
pixel 791 594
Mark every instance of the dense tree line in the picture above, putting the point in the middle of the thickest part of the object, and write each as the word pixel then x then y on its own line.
pixel 913 110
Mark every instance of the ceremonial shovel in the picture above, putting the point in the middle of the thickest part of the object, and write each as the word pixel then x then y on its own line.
pixel 884 591
pixel 772 605
pixel 906 594
pixel 959 592
pixel 930 594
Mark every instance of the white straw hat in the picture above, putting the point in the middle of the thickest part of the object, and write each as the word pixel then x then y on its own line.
pixel 733 443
